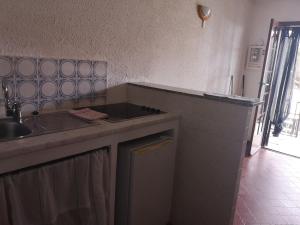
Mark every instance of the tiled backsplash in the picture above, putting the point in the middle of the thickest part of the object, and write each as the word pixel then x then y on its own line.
pixel 40 83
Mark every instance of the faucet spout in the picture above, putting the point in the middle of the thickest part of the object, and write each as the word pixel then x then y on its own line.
pixel 12 108
pixel 16 112
pixel 8 109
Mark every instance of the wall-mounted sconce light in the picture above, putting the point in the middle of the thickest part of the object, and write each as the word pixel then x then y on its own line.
pixel 204 13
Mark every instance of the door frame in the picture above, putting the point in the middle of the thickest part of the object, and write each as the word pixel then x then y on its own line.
pixel 266 123
pixel 272 27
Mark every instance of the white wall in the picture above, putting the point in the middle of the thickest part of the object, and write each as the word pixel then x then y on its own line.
pixel 142 40
pixel 262 13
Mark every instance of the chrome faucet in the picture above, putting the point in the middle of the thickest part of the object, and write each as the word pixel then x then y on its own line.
pixel 13 108
pixel 16 112
pixel 6 99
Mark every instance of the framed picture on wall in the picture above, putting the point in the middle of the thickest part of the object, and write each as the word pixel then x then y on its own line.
pixel 255 58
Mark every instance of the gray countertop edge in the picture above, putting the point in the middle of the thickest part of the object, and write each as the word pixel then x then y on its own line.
pixel 249 102
pixel 103 128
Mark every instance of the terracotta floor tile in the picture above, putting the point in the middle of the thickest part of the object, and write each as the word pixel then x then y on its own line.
pixel 269 190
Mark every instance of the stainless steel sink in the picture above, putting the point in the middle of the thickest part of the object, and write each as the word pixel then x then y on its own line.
pixel 39 125
pixel 10 129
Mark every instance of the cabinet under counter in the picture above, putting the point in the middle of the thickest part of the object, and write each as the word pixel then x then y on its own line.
pixel 34 151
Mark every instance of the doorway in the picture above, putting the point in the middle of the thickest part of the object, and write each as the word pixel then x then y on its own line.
pixel 288 141
pixel 280 89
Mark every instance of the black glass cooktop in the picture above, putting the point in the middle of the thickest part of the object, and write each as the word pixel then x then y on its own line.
pixel 124 111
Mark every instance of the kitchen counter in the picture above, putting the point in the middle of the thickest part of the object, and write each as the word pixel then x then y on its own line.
pixel 98 129
pixel 47 147
pixel 32 151
pixel 213 134
pixel 234 99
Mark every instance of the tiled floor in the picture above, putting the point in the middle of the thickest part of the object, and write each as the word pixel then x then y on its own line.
pixel 269 190
pixel 285 144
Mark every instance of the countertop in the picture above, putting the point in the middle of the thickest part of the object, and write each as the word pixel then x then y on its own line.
pixel 97 129
pixel 213 96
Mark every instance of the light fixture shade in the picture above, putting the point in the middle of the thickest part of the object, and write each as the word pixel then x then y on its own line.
pixel 204 13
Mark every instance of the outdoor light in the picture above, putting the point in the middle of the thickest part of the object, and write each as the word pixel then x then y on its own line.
pixel 204 13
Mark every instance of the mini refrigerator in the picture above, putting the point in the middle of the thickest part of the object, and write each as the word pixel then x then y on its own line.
pixel 145 175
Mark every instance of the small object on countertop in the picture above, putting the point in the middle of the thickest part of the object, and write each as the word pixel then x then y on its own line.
pixel 88 114
pixel 35 113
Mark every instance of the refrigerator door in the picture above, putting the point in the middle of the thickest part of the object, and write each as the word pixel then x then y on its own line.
pixel 151 184
pixel 149 180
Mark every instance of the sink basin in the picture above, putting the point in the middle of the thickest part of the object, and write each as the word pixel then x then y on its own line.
pixel 39 125
pixel 12 130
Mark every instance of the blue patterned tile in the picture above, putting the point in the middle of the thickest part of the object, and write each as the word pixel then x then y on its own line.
pixel 29 106
pixel 85 88
pixel 6 67
pixel 48 69
pixel 40 83
pixel 67 68
pixel 85 69
pixel 26 68
pixel 67 88
pixel 48 89
pixel 46 104
pixel 27 89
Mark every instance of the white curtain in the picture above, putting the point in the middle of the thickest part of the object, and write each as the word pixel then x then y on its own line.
pixel 74 191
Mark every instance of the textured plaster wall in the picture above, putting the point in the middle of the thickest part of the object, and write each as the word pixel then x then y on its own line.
pixel 263 12
pixel 160 41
